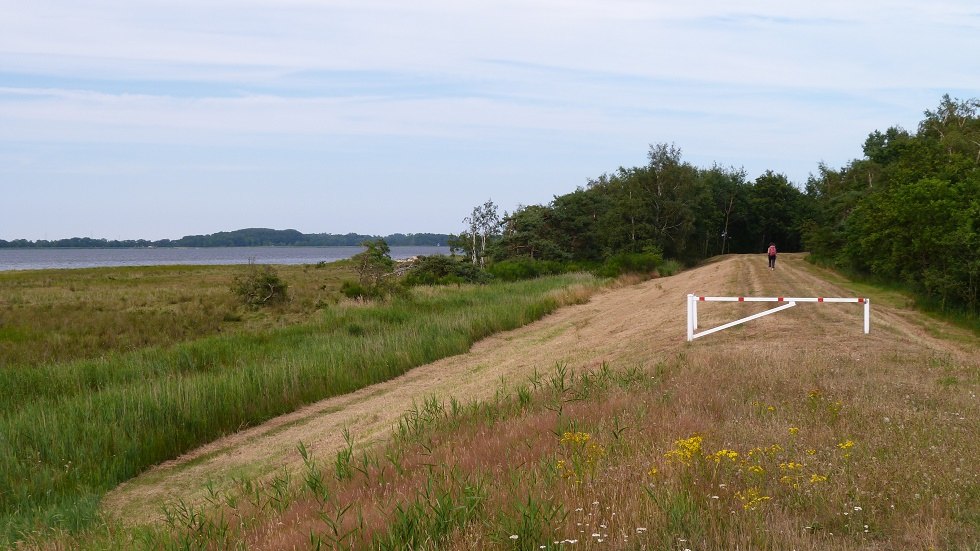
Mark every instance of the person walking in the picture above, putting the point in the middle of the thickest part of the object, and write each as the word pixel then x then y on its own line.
pixel 772 256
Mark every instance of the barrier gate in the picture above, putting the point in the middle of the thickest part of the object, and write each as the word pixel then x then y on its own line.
pixel 693 300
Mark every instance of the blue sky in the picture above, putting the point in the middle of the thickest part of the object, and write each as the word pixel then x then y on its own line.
pixel 154 119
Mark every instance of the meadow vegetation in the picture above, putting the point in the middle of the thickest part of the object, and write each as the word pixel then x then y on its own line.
pixel 706 449
pixel 753 444
pixel 51 316
pixel 78 418
pixel 698 447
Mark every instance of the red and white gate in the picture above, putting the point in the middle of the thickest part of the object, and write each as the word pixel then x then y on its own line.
pixel 693 300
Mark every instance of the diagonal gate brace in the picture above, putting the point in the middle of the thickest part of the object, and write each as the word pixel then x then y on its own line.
pixel 691 335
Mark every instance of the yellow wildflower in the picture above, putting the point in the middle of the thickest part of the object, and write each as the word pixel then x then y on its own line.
pixel 575 438
pixel 751 499
pixel 793 431
pixel 790 481
pixel 593 452
pixel 685 450
pixel 816 479
pixel 731 455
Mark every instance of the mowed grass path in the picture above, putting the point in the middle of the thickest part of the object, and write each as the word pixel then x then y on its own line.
pixel 71 431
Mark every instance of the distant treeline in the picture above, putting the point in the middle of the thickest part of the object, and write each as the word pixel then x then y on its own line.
pixel 907 213
pixel 251 237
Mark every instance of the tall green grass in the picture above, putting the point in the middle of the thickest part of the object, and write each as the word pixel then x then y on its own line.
pixel 70 432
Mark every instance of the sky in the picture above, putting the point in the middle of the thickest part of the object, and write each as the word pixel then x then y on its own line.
pixel 153 119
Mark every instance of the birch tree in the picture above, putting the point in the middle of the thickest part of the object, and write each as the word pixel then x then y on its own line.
pixel 484 223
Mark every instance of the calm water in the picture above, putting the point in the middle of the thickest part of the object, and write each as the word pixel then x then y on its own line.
pixel 41 259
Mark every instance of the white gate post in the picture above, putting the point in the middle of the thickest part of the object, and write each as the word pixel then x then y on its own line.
pixel 694 310
pixel 867 316
pixel 690 328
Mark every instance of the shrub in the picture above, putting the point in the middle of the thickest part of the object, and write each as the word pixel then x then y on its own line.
pixel 354 290
pixel 524 268
pixel 384 289
pixel 260 286
pixel 375 270
pixel 374 264
pixel 444 270
pixel 630 263
pixel 669 268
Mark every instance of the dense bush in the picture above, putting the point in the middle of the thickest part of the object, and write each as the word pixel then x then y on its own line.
pixel 669 268
pixel 353 289
pixel 443 270
pixel 630 263
pixel 516 269
pixel 260 286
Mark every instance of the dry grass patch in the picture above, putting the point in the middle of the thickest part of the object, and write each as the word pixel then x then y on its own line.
pixel 59 315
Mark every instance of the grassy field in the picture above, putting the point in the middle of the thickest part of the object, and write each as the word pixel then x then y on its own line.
pixel 755 439
pixel 628 438
pixel 57 315
pixel 85 412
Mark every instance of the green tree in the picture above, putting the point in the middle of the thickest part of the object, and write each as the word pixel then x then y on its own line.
pixel 484 225
pixel 373 266
pixel 727 214
pixel 530 232
pixel 776 212
pixel 909 211
pixel 575 219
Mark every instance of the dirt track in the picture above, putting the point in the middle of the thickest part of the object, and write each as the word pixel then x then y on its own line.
pixel 637 325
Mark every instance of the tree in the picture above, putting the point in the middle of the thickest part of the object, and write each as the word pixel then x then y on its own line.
pixel 374 265
pixel 574 220
pixel 775 210
pixel 908 212
pixel 484 223
pixel 727 210
pixel 529 232
pixel 955 125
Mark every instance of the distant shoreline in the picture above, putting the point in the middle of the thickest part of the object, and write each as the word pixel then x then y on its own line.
pixel 249 237
pixel 121 248
pixel 44 258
